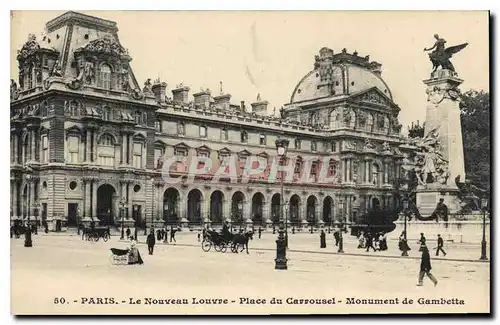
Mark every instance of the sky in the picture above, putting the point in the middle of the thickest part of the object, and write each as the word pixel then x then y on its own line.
pixel 269 52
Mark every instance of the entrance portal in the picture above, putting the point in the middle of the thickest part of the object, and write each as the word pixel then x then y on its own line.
pixel 105 211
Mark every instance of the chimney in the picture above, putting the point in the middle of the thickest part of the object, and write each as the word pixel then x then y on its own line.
pixel 159 89
pixel 181 94
pixel 202 99
pixel 223 101
pixel 260 107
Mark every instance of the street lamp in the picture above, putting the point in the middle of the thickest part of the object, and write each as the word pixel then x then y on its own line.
pixel 27 234
pixel 341 238
pixel 484 206
pixel 286 224
pixel 152 207
pixel 405 239
pixel 122 210
pixel 281 242
pixel 240 212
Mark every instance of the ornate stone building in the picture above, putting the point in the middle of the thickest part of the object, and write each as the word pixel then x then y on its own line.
pixel 87 142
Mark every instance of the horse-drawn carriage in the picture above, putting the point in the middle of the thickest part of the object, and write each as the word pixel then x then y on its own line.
pixel 94 234
pixel 221 241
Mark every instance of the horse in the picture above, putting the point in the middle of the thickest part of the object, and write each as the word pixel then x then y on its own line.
pixel 241 239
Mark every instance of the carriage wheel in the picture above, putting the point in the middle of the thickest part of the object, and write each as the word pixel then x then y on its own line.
pixel 218 247
pixel 234 249
pixel 206 245
pixel 96 237
pixel 223 247
pixel 105 237
pixel 115 260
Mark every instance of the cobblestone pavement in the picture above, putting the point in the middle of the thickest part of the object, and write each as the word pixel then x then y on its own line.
pixel 69 268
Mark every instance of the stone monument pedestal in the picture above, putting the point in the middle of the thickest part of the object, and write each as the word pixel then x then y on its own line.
pixel 445 159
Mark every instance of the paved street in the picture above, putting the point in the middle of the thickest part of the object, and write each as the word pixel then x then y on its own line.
pixel 66 267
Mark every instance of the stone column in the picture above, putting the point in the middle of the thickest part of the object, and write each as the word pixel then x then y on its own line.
pixel 367 171
pixel 130 150
pixel 247 210
pixel 94 200
pixel 159 202
pixel 226 208
pixel 128 197
pixel 14 143
pixel 386 172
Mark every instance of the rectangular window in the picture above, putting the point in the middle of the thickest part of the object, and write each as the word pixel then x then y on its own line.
pixel 158 127
pixel 297 144
pixel 73 148
pixel 262 140
pixel 180 128
pixel 45 149
pixel 244 137
pixel 182 152
pixel 137 161
pixel 334 146
pixel 158 158
pixel 203 131
pixel 313 146
pixel 223 134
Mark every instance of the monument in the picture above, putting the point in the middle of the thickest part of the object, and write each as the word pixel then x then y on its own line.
pixel 440 158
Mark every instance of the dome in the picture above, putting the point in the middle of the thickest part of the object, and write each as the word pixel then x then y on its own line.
pixel 337 75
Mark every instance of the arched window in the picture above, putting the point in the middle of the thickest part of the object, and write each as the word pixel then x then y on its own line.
pixel 106 150
pixel 138 118
pixel 104 80
pixel 44 157
pixel 375 174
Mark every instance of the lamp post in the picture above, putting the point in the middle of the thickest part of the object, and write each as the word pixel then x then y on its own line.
pixel 152 207
pixel 36 210
pixel 27 235
pixel 240 212
pixel 341 238
pixel 484 206
pixel 122 212
pixel 281 242
pixel 79 220
pixel 286 224
pixel 405 239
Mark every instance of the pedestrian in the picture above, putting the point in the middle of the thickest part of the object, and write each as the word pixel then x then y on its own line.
pixel 440 246
pixel 260 232
pixel 46 227
pixel 172 235
pixel 322 239
pixel 293 230
pixel 425 267
pixel 128 232
pixel 158 235
pixel 336 235
pixel 199 235
pixel 11 231
pixel 369 242
pixel 151 241
pixel 383 242
pixel 165 236
pixel 135 233
pixel 422 240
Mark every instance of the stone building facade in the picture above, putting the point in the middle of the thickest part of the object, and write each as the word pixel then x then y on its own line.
pixel 87 141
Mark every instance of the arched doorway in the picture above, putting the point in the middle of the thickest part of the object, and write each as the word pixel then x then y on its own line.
pixel 105 199
pixel 257 208
pixel 237 205
pixel 327 210
pixel 171 205
pixel 216 206
pixel 311 209
pixel 294 211
pixel 275 208
pixel 195 199
pixel 375 204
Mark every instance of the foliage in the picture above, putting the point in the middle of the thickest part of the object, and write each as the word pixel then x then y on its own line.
pixel 475 120
pixel 416 130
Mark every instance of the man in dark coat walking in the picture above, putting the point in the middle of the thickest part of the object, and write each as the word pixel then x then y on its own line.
pixel 128 232
pixel 369 242
pixel 336 235
pixel 260 232
pixel 425 266
pixel 151 241
pixel 440 246
pixel 172 234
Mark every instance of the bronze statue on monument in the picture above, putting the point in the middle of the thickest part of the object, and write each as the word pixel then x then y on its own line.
pixel 440 56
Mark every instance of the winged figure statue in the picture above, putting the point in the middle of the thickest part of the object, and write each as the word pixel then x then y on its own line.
pixel 440 55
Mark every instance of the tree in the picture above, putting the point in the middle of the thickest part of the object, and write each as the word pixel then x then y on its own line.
pixel 476 132
pixel 475 122
pixel 416 130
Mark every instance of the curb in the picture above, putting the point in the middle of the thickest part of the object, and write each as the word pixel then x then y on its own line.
pixel 334 253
